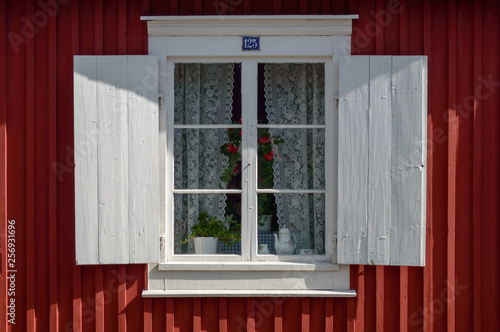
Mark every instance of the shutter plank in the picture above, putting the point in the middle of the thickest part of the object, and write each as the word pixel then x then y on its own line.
pixel 379 164
pixel 408 176
pixel 384 180
pixel 143 157
pixel 85 147
pixel 353 158
pixel 116 182
pixel 112 165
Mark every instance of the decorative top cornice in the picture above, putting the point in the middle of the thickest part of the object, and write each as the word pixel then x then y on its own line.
pixel 278 25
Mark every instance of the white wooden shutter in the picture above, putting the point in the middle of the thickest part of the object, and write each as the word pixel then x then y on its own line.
pixel 382 160
pixel 116 159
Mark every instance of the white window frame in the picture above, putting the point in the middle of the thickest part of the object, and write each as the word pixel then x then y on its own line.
pixel 302 39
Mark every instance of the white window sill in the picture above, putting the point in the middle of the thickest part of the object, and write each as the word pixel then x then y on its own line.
pixel 250 293
pixel 192 279
pixel 241 266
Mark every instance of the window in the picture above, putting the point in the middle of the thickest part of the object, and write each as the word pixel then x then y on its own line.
pixel 294 134
pixel 276 142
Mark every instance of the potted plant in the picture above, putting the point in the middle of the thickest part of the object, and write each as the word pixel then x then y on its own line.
pixel 209 230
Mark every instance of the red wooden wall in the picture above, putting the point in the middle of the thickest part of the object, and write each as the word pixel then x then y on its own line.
pixel 457 290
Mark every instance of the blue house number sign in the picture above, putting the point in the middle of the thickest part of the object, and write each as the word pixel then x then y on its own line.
pixel 251 44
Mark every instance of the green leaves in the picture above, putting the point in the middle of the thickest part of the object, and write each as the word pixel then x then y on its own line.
pixel 228 231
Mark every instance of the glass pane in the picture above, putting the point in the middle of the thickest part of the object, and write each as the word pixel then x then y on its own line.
pixel 209 215
pixel 207 93
pixel 291 93
pixel 291 159
pixel 302 214
pixel 207 158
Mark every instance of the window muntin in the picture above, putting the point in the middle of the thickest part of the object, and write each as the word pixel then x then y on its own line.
pixel 302 122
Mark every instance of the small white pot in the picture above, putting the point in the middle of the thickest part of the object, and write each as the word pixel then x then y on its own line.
pixel 266 221
pixel 205 245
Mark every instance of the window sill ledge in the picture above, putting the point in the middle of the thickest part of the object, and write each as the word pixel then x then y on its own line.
pixel 253 266
pixel 250 293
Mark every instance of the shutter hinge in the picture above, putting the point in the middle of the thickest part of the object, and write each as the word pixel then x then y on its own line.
pixel 162 242
pixel 334 238
pixel 160 99
pixel 336 103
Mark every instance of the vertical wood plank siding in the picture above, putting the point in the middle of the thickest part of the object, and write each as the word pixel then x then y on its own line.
pixel 458 288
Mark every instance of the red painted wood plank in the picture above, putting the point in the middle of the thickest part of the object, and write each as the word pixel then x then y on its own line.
pixel 247 7
pixel 122 298
pixel 403 298
pixel 278 315
pixel 352 303
pixel 98 27
pixel 379 34
pixel 476 177
pixel 145 11
pixel 341 314
pixel 303 7
pixel 197 8
pixel 174 7
pixel 223 314
pixel 452 163
pixel 159 310
pixel 403 27
pixel 209 314
pixel 99 298
pixel 3 171
pixel 380 297
pixel 329 315
pixel 122 27
pixel 169 305
pixel 317 314
pixel 30 176
pixel 77 323
pixel 183 314
pixel 52 153
pixel 429 262
pixel 490 166
pixel 197 314
pixel 292 308
pixel 250 314
pixel 325 7
pixel 148 315
pixel 305 317
pixel 65 185
pixel 276 7
pixel 16 146
pixel 134 283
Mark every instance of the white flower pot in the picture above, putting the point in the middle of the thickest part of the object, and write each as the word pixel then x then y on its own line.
pixel 266 221
pixel 205 245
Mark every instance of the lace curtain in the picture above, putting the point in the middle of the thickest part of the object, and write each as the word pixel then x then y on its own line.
pixel 203 95
pixel 294 94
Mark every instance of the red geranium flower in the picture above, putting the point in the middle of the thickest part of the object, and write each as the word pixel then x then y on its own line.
pixel 269 156
pixel 264 140
pixel 231 148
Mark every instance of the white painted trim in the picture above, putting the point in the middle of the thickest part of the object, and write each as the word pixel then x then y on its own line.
pixel 255 25
pixel 254 266
pixel 250 293
pixel 296 39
